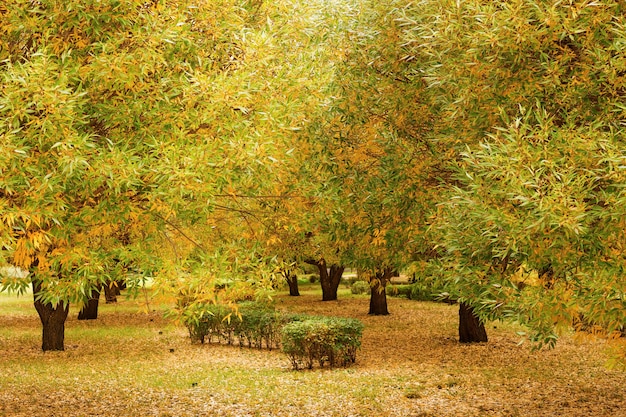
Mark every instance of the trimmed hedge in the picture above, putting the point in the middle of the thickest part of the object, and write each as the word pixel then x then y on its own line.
pixel 360 287
pixel 253 325
pixel 204 321
pixel 400 290
pixel 322 340
pixel 306 340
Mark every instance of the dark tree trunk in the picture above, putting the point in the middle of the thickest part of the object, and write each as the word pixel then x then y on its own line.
pixel 292 280
pixel 329 280
pixel 471 329
pixel 90 310
pixel 52 321
pixel 378 297
pixel 112 290
pixel 109 292
pixel 334 279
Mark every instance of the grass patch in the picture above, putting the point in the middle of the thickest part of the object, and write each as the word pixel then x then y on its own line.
pixel 13 304
pixel 133 362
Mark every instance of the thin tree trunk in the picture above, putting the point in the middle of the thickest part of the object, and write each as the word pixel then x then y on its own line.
pixel 471 329
pixel 52 321
pixel 292 280
pixel 90 310
pixel 378 296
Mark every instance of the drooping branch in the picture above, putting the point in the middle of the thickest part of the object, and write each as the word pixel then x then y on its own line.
pixel 181 232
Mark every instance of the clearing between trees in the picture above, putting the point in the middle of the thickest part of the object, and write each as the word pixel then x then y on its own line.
pixel 130 363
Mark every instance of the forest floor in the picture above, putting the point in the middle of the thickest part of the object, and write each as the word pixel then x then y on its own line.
pixel 133 363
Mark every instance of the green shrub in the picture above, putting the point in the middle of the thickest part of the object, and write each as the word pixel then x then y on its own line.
pixel 360 287
pixel 305 339
pixel 205 320
pixel 426 288
pixel 421 293
pixel 322 340
pixel 416 292
pixel 252 324
pixel 258 326
pixel 403 291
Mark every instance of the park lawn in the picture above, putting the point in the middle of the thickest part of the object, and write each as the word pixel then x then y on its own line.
pixel 133 362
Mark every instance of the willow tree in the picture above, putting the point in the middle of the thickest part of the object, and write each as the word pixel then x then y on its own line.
pixel 534 226
pixel 369 172
pixel 302 45
pixel 117 121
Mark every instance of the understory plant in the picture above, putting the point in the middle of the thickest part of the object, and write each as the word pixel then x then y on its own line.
pixel 251 324
pixel 322 340
pixel 306 340
pixel 360 287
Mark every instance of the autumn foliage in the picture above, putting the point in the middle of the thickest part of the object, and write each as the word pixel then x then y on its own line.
pixel 196 143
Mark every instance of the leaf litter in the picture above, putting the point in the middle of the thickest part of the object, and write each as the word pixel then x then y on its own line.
pixel 410 364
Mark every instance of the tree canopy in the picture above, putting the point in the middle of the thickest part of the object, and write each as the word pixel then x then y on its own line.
pixel 188 140
pixel 533 224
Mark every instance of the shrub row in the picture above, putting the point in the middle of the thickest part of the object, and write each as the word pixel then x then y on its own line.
pixel 419 292
pixel 253 325
pixel 322 340
pixel 306 340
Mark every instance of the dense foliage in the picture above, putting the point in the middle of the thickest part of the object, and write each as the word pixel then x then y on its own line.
pixel 250 324
pixel 219 144
pixel 533 226
pixel 321 340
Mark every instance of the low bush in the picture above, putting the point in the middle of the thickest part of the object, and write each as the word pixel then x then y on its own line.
pixel 420 292
pixel 321 340
pixel 205 321
pixel 306 340
pixel 250 324
pixel 258 325
pixel 360 287
pixel 423 289
pixel 403 291
pixel 417 292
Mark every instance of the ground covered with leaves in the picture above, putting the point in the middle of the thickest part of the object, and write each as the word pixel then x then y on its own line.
pixel 133 363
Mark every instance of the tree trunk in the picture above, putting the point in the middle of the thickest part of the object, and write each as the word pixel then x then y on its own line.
pixel 378 297
pixel 52 320
pixel 334 279
pixel 292 280
pixel 327 291
pixel 471 329
pixel 329 280
pixel 112 290
pixel 109 293
pixel 90 310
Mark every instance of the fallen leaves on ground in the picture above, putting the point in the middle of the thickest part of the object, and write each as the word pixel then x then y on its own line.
pixel 135 364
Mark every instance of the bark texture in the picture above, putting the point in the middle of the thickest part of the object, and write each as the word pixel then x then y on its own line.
pixel 329 278
pixel 90 310
pixel 471 329
pixel 292 280
pixel 378 297
pixel 112 290
pixel 52 321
